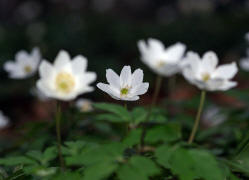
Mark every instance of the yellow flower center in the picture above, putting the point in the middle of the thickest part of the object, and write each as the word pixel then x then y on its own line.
pixel 65 82
pixel 205 77
pixel 27 69
pixel 160 64
pixel 124 91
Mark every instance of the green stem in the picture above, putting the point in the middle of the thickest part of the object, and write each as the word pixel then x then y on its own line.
pixel 198 117
pixel 153 103
pixel 58 132
pixel 157 90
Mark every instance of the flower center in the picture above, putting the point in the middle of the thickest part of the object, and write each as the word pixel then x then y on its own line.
pixel 86 107
pixel 205 77
pixel 65 82
pixel 161 64
pixel 27 69
pixel 124 91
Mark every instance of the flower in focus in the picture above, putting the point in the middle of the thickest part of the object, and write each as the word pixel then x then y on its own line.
pixel 161 60
pixel 204 73
pixel 244 62
pixel 127 87
pixel 84 105
pixel 4 121
pixel 66 78
pixel 25 65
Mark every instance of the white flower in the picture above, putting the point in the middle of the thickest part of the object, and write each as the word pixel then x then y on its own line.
pixel 25 65
pixel 244 62
pixel 247 37
pixel 67 78
pixel 84 105
pixel 4 121
pixel 161 60
pixel 204 73
pixel 127 86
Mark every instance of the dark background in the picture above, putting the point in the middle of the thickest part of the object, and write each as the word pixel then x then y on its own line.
pixel 107 31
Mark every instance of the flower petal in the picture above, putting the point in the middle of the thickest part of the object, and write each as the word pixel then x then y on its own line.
pixel 209 61
pixel 244 64
pixel 21 56
pixel 62 59
pixel 155 44
pixel 125 76
pixel 79 64
pixel 175 52
pixel 227 85
pixel 46 69
pixel 141 89
pixel 226 71
pixel 90 77
pixel 112 78
pixel 106 88
pixel 137 77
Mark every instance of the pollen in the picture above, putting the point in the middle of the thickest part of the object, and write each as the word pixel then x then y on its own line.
pixel 124 91
pixel 27 69
pixel 205 77
pixel 160 64
pixel 65 82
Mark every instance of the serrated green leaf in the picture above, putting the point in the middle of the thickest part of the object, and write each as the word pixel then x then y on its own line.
pixel 133 138
pixel 166 133
pixel 116 109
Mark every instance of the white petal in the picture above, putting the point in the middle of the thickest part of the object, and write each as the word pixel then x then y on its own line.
pixel 209 61
pixel 142 89
pixel 175 52
pixel 36 55
pixel 46 69
pixel 21 56
pixel 227 71
pixel 137 77
pixel 10 66
pixel 227 85
pixel 142 47
pixel 79 64
pixel 134 98
pixel 62 59
pixel 112 78
pixel 193 60
pixel 155 44
pixel 90 77
pixel 244 64
pixel 106 88
pixel 125 76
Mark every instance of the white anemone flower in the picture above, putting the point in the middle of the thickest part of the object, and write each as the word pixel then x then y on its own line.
pixel 84 105
pixel 127 87
pixel 161 60
pixel 25 65
pixel 66 78
pixel 204 73
pixel 4 121
pixel 244 62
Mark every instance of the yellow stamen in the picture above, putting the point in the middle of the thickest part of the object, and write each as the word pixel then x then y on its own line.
pixel 205 77
pixel 65 82
pixel 160 64
pixel 27 69
pixel 124 91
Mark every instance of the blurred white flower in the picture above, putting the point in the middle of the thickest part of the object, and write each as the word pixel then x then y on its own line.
pixel 25 65
pixel 161 60
pixel 247 37
pixel 212 116
pixel 84 105
pixel 4 121
pixel 244 62
pixel 204 73
pixel 127 87
pixel 39 94
pixel 66 78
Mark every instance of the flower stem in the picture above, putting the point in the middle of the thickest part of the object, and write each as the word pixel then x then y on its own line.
pixel 198 116
pixel 157 90
pixel 58 132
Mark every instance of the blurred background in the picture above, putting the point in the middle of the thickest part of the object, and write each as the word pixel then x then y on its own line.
pixel 106 32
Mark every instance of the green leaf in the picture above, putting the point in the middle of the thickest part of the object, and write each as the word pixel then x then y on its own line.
pixel 127 172
pixel 110 117
pixel 67 176
pixel 166 133
pixel 133 138
pixel 118 110
pixel 139 115
pixel 14 161
pixel 99 171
